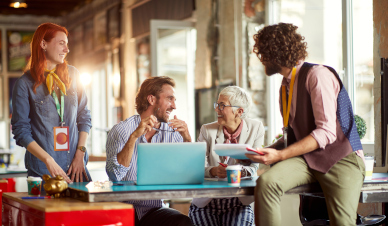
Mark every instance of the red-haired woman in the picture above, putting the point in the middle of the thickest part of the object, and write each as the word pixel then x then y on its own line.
pixel 50 117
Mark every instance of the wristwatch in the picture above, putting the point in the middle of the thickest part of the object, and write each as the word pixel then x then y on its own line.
pixel 82 148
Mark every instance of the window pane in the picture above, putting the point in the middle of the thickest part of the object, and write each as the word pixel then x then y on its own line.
pixel 320 22
pixel 363 63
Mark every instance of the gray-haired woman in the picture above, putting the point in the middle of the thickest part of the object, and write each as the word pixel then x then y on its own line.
pixel 232 126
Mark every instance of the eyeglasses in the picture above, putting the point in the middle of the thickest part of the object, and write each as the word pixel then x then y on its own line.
pixel 164 130
pixel 222 106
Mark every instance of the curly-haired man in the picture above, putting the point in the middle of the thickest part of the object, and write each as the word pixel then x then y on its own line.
pixel 320 141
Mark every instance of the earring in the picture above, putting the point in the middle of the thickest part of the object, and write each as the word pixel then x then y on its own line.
pixel 44 50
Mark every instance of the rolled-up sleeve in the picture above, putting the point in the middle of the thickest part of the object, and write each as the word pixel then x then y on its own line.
pixel 20 121
pixel 115 143
pixel 323 88
pixel 84 118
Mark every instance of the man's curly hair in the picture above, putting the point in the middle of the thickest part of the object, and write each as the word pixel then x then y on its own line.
pixel 280 44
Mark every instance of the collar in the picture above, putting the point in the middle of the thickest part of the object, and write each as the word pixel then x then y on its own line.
pixel 288 79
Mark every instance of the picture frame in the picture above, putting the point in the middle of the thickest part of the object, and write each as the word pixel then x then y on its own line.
pixel 18 49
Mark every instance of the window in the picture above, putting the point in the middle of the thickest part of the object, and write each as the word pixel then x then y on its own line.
pixel 338 34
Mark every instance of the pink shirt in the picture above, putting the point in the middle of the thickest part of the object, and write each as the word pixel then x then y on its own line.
pixel 323 87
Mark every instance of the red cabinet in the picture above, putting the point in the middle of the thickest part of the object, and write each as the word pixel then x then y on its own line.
pixel 63 212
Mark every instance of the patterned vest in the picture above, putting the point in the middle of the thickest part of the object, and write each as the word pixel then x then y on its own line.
pixel 347 140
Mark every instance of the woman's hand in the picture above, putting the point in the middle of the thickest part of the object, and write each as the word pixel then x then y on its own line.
pixel 219 171
pixel 77 168
pixel 55 169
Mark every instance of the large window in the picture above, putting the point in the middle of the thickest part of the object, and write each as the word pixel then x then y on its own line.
pixel 363 64
pixel 338 34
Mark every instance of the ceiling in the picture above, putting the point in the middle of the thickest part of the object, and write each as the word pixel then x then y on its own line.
pixel 53 8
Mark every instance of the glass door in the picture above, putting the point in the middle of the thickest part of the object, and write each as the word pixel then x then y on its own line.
pixel 173 45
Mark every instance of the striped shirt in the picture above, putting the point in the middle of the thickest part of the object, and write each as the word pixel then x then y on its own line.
pixel 117 138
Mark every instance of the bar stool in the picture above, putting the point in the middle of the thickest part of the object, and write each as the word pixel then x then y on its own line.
pixel 313 212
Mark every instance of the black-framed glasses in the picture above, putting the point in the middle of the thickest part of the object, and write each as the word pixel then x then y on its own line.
pixel 164 130
pixel 222 106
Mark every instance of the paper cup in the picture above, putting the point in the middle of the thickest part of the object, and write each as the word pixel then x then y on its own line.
pixel 369 163
pixel 234 175
pixel 34 185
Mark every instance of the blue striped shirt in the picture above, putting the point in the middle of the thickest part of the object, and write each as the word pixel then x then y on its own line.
pixel 117 138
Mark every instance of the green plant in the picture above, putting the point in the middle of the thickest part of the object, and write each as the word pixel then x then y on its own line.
pixel 361 126
pixel 277 137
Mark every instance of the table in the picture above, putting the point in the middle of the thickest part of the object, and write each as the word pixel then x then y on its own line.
pixel 63 211
pixel 375 190
pixel 9 173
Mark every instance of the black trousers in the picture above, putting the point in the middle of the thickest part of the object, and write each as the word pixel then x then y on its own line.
pixel 163 217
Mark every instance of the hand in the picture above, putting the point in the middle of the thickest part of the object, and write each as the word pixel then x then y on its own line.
pixel 145 126
pixel 219 171
pixel 56 170
pixel 244 162
pixel 77 168
pixel 270 156
pixel 180 126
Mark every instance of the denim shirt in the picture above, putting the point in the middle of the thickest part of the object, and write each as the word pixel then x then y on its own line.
pixel 35 115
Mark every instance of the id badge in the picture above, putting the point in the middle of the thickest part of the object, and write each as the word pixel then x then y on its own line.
pixel 61 138
pixel 285 136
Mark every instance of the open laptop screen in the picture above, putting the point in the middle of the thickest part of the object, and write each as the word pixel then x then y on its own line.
pixel 171 163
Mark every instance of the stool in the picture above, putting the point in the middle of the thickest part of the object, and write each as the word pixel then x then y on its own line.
pixel 313 211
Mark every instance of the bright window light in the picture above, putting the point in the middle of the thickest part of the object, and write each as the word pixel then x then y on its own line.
pixel 86 79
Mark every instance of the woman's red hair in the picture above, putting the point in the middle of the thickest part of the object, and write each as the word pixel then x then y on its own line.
pixel 37 62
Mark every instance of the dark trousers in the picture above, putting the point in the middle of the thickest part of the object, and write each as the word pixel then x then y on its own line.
pixel 163 217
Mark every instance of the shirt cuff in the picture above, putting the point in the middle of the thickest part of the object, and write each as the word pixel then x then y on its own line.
pixel 26 141
pixel 116 171
pixel 207 171
pixel 84 128
pixel 322 138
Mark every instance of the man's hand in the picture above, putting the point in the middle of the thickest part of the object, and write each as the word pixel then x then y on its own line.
pixel 219 171
pixel 270 156
pixel 180 126
pixel 145 126
pixel 77 168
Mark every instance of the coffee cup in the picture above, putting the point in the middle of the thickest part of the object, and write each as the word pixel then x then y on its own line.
pixel 233 173
pixel 34 185
pixel 369 163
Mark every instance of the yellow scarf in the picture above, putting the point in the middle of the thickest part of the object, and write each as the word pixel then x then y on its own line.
pixel 51 78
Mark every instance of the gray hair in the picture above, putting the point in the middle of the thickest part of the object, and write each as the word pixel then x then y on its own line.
pixel 238 97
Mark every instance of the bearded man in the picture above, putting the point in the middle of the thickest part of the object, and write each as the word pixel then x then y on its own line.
pixel 155 101
pixel 320 142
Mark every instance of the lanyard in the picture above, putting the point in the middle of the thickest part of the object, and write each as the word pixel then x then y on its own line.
pixel 60 107
pixel 286 109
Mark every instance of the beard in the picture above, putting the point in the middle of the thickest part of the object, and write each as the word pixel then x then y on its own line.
pixel 160 115
pixel 272 68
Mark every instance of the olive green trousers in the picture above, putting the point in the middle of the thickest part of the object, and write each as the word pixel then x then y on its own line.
pixel 341 187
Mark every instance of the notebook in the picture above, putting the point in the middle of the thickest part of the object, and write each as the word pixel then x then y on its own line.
pixel 170 163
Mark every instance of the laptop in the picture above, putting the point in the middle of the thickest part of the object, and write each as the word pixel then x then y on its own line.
pixel 170 163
